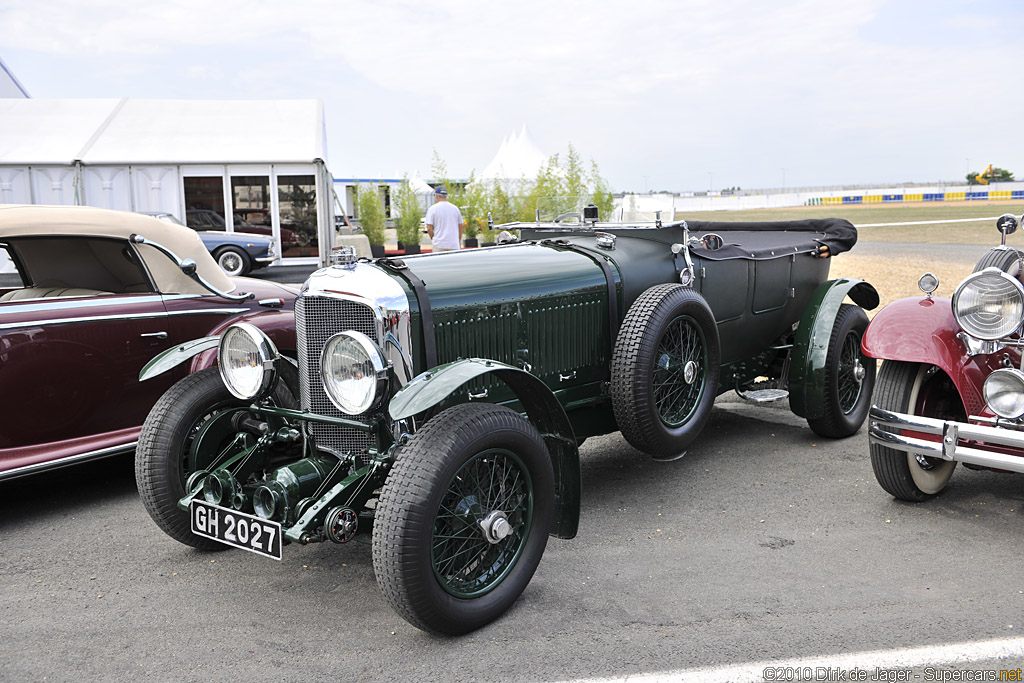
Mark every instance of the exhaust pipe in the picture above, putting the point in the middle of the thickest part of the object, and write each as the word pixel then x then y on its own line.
pixel 290 484
pixel 221 488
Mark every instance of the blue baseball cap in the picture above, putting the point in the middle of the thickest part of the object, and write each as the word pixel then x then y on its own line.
pixel 440 191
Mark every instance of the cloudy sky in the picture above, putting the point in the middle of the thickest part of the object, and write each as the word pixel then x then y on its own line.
pixel 665 94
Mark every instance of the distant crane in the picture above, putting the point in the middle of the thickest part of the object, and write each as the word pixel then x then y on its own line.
pixel 984 176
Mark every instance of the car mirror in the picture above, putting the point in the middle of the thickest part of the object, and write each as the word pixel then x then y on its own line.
pixel 1007 224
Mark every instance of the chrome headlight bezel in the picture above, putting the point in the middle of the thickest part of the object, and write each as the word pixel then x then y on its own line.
pixel 987 287
pixel 263 357
pixel 375 369
pixel 1004 393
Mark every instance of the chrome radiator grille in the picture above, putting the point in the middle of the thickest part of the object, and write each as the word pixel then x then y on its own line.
pixel 317 319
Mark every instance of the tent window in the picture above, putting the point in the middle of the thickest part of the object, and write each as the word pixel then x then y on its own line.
pixel 297 200
pixel 204 203
pixel 250 196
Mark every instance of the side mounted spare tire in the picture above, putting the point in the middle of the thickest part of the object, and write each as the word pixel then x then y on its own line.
pixel 1006 260
pixel 665 368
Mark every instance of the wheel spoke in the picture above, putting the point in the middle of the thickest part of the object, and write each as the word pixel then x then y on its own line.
pixel 465 561
pixel 681 345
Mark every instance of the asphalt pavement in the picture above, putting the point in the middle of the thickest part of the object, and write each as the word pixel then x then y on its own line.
pixel 765 542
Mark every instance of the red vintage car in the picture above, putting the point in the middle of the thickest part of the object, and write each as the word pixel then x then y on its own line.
pixel 88 297
pixel 951 387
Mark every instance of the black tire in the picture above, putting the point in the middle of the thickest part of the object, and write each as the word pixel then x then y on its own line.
pixel 233 261
pixel 665 370
pixel 162 462
pixel 1006 260
pixel 915 389
pixel 413 539
pixel 849 377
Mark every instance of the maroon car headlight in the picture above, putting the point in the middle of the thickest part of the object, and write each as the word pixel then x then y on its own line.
pixel 354 372
pixel 989 305
pixel 247 360
pixel 1004 392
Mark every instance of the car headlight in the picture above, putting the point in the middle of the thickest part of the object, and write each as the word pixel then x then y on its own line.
pixel 1004 392
pixel 989 305
pixel 354 372
pixel 247 360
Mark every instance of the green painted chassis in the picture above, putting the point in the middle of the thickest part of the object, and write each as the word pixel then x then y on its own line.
pixel 561 416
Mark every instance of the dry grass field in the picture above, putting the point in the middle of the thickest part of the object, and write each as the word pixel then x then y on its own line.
pixel 894 265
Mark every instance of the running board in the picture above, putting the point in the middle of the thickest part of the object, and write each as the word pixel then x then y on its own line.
pixel 763 395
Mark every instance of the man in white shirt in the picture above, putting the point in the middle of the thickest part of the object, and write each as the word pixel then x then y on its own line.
pixel 444 222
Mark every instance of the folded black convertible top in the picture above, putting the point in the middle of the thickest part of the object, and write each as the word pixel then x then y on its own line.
pixel 770 239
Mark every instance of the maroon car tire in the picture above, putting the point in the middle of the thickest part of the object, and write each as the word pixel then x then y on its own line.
pixel 1006 260
pixel 914 389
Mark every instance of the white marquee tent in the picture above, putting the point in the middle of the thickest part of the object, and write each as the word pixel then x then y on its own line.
pixel 518 158
pixel 240 159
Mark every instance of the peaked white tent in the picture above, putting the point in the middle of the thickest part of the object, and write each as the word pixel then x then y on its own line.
pixel 248 156
pixel 518 158
pixel 419 185
pixel 9 85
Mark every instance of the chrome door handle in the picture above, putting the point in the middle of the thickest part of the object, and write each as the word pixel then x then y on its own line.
pixel 154 335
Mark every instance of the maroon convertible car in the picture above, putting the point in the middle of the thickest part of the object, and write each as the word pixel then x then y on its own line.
pixel 87 298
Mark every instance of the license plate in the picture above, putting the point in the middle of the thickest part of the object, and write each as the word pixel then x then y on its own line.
pixel 234 528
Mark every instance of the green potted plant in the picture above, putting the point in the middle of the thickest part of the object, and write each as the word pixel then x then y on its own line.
pixel 473 227
pixel 370 214
pixel 408 217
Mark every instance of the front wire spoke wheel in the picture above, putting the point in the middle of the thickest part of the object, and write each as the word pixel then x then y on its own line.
pixel 463 518
pixel 495 492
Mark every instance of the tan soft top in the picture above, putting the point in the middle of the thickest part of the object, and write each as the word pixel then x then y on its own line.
pixel 20 220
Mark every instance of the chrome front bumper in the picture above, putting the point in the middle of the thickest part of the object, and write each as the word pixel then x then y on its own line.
pixel 951 446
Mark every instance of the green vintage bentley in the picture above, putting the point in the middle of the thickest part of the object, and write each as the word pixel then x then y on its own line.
pixel 439 400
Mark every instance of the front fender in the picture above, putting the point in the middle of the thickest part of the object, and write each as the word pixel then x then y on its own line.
pixel 176 355
pixel 810 348
pixel 923 330
pixel 542 408
pixel 278 325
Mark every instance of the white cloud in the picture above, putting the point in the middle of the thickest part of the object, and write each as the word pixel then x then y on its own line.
pixel 740 86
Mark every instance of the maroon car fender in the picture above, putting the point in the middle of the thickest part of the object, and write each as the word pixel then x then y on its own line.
pixel 923 330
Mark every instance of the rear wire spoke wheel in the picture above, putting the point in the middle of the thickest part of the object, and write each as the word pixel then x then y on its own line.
pixel 849 377
pixel 665 368
pixel 463 518
pixel 914 389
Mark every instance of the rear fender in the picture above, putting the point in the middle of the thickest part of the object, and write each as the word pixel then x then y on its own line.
pixel 542 409
pixel 923 330
pixel 810 348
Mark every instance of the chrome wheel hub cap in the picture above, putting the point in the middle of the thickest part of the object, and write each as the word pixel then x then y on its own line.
pixel 690 372
pixel 859 373
pixel 495 527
